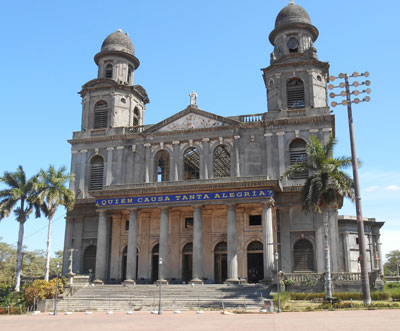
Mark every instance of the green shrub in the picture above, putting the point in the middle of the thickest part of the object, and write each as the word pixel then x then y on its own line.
pixel 393 285
pixel 40 289
pixel 380 296
pixel 306 296
pixel 395 296
pixel 348 295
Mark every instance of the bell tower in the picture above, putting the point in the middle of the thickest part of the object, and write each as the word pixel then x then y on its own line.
pixel 112 100
pixel 295 79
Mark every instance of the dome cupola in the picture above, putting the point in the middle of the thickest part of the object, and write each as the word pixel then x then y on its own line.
pixel 293 16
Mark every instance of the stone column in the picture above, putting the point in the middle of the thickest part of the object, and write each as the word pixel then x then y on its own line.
pixel 346 244
pixel 237 155
pixel 232 245
pixel 175 160
pixel 132 243
pixel 206 163
pixel 268 151
pixel 197 245
pixel 82 174
pixel 379 248
pixel 109 166
pixel 164 244
pixel 119 175
pixel 67 244
pixel 101 250
pixel 268 239
pixel 147 163
pixel 282 151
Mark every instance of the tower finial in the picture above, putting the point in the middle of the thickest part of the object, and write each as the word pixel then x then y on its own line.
pixel 291 1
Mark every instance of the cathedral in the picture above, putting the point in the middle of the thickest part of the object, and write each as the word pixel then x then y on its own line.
pixel 200 197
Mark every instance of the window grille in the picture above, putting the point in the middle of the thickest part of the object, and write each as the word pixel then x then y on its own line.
pixel 222 161
pixel 96 173
pixel 295 93
pixel 298 154
pixel 189 222
pixel 162 166
pixel 100 115
pixel 191 164
pixel 109 71
pixel 303 256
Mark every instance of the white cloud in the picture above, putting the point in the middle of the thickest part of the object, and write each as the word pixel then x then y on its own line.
pixel 371 188
pixel 392 188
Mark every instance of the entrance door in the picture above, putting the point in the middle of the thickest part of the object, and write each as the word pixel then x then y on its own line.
pixel 89 260
pixel 187 262
pixel 255 262
pixel 154 263
pixel 220 263
pixel 124 262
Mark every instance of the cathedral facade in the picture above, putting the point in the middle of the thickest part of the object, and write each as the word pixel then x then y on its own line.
pixel 201 197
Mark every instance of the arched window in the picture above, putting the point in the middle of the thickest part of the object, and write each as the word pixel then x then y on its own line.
pixel 109 71
pixel 293 45
pixel 100 115
pixel 298 154
pixel 161 166
pixel 191 160
pixel 96 173
pixel 303 254
pixel 295 93
pixel 136 115
pixel 222 161
pixel 89 260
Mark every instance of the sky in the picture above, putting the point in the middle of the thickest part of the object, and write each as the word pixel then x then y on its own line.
pixel 215 47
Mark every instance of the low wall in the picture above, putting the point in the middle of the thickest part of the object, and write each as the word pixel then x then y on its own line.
pixel 341 282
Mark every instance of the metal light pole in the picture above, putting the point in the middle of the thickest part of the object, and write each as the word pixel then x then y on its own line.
pixel 360 223
pixel 159 284
pixel 55 305
pixel 278 281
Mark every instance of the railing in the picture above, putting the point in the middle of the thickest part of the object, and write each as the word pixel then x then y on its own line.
pixel 300 278
pixel 251 118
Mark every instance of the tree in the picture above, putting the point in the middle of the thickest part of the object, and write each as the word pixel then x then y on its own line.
pixel 21 197
pixel 53 194
pixel 325 182
pixel 392 265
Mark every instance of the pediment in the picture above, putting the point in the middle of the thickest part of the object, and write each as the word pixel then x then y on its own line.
pixel 189 119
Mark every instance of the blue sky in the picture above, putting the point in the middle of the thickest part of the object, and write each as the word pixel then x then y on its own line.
pixel 213 47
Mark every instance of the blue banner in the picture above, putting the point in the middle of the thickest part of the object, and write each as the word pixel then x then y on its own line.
pixel 185 198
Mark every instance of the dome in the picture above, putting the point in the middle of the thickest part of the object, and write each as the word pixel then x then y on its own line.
pixel 118 44
pixel 293 16
pixel 292 13
pixel 118 41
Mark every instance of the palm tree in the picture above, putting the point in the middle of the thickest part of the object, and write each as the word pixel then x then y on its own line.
pixel 325 182
pixel 20 197
pixel 53 194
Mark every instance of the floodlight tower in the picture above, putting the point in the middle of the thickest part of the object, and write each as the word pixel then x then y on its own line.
pixel 360 223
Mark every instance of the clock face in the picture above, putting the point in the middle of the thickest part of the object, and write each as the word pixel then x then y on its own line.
pixel 293 44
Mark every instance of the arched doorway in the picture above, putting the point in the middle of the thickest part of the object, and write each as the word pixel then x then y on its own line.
pixel 303 256
pixel 255 262
pixel 125 262
pixel 220 263
pixel 89 260
pixel 154 263
pixel 187 262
